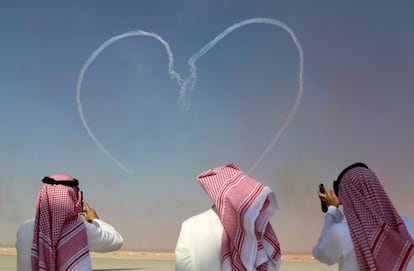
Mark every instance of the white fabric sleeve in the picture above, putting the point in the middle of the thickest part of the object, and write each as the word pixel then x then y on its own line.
pixel 274 266
pixel 102 237
pixel 24 237
pixel 410 226
pixel 328 249
pixel 183 260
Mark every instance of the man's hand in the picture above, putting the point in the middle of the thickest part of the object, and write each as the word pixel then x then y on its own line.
pixel 89 213
pixel 329 197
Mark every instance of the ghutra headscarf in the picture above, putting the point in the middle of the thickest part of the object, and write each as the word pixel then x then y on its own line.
pixel 379 235
pixel 59 240
pixel 245 207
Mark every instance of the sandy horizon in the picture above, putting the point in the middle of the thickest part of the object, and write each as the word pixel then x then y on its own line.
pixel 169 256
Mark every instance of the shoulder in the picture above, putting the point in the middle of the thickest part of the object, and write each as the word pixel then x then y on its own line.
pixel 24 237
pixel 207 221
pixel 27 222
pixel 27 225
pixel 201 217
pixel 409 223
pixel 407 220
pixel 205 226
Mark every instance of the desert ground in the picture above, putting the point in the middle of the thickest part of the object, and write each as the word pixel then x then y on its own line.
pixel 161 261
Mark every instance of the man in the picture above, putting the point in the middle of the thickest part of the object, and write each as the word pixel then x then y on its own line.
pixel 61 235
pixel 235 234
pixel 375 237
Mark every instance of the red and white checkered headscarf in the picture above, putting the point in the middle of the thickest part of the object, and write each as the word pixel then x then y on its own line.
pixel 59 240
pixel 379 235
pixel 245 207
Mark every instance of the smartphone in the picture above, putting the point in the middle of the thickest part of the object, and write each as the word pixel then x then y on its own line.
pixel 324 207
pixel 83 210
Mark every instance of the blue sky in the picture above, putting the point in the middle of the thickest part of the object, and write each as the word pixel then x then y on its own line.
pixel 356 106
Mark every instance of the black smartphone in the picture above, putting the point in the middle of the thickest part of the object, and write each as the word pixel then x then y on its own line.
pixel 324 207
pixel 83 210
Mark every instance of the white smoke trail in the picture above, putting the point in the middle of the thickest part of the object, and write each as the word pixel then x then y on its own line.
pixel 211 44
pixel 186 86
pixel 173 74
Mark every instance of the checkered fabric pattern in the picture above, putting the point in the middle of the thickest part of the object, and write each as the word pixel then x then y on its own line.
pixel 379 235
pixel 59 241
pixel 245 207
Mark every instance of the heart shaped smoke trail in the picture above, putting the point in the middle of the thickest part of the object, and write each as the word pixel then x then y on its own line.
pixel 187 85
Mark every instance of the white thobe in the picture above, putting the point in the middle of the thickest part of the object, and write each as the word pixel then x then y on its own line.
pixel 102 237
pixel 199 244
pixel 335 242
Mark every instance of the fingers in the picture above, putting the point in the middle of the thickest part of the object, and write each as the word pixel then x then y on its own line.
pixel 333 193
pixel 328 194
pixel 86 205
pixel 329 197
pixel 322 196
pixel 89 213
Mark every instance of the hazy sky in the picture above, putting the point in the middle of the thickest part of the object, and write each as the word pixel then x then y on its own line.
pixel 356 106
